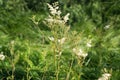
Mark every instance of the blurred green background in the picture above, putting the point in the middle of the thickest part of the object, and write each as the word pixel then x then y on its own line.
pixel 96 19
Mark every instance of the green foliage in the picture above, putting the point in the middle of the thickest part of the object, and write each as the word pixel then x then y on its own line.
pixel 14 20
pixel 26 40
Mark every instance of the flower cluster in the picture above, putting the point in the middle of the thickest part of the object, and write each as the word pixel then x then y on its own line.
pixel 79 52
pixel 107 27
pixel 54 10
pixel 105 76
pixel 89 44
pixel 51 38
pixel 61 41
pixel 66 17
pixel 55 14
pixel 2 57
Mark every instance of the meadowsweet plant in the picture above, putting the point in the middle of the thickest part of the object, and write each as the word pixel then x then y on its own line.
pixel 58 26
pixel 47 47
pixel 59 31
pixel 62 39
pixel 12 59
pixel 55 21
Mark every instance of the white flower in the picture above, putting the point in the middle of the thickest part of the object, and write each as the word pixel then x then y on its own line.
pixel 54 21
pixel 66 17
pixel 60 53
pixel 89 44
pixel 12 42
pixel 105 76
pixel 59 12
pixel 61 41
pixel 107 27
pixel 50 20
pixel 101 78
pixel 51 38
pixel 54 9
pixel 80 53
pixel 2 57
pixel 55 15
